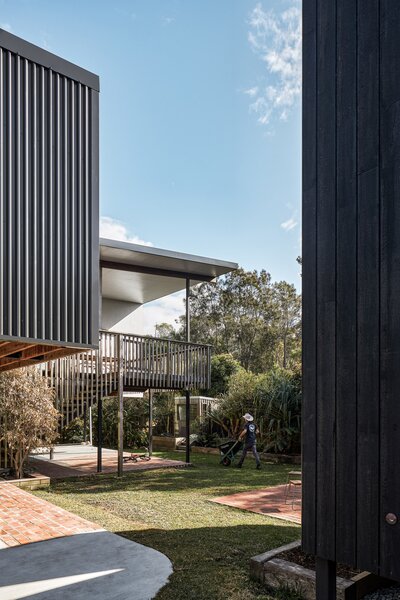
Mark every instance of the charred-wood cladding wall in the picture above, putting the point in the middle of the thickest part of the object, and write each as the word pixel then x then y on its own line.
pixel 351 282
pixel 48 197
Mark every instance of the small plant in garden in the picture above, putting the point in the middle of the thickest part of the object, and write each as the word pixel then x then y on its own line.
pixel 28 419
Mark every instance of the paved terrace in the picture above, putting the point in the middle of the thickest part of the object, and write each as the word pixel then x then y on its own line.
pixel 77 460
pixel 49 559
pixel 268 501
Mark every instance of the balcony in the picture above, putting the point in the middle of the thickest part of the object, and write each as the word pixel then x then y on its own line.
pixel 142 363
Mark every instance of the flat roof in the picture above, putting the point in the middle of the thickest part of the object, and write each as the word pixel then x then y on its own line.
pixel 140 274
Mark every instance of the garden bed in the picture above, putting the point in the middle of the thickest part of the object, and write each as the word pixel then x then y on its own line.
pixel 281 459
pixel 288 565
pixel 278 459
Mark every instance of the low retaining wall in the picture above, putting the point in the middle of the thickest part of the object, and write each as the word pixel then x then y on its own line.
pixel 161 442
pixel 35 482
pixel 268 568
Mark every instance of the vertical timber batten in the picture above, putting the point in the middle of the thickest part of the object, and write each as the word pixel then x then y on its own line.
pixel 351 285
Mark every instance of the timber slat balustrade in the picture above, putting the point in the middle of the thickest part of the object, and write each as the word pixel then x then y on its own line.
pixel 147 363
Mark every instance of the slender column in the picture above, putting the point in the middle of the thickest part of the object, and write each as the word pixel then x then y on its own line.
pixel 150 422
pixel 90 426
pixel 85 423
pixel 99 394
pixel 326 579
pixel 187 392
pixel 120 406
pixel 99 433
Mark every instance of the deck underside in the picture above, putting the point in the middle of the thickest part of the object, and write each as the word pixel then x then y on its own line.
pixel 24 354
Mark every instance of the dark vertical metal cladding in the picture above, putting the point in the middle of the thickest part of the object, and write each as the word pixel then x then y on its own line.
pixel 390 285
pixel 351 265
pixel 49 192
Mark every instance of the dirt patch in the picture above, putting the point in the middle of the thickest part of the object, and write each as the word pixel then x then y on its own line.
pixel 308 562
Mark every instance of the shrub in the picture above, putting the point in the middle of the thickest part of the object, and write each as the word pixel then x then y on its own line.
pixel 163 413
pixel 206 435
pixel 28 419
pixel 135 422
pixel 274 399
pixel 280 424
pixel 73 432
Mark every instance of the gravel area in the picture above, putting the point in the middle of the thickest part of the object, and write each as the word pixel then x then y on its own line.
pixel 392 593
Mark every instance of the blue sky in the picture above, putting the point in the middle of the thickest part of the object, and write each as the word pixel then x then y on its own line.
pixel 200 122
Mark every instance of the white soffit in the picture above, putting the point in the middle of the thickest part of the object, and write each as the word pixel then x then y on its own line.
pixel 142 287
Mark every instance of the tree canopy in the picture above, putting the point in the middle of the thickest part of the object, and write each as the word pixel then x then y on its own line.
pixel 246 315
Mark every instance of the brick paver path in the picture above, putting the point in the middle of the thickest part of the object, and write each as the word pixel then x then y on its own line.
pixel 268 501
pixel 24 518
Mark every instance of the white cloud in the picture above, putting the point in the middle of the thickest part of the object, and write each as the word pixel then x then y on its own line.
pixel 145 318
pixel 115 230
pixel 252 91
pixel 289 224
pixel 165 310
pixel 168 20
pixel 276 39
pixel 6 27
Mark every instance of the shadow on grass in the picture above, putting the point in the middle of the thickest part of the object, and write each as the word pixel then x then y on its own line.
pixel 212 563
pixel 215 479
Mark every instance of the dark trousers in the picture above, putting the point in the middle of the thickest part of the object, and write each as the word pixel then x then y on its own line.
pixel 253 448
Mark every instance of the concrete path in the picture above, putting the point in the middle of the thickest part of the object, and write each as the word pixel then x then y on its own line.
pixel 48 553
pixel 98 565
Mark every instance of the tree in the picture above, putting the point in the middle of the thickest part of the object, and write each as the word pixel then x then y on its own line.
pixel 28 418
pixel 166 331
pixel 287 324
pixel 247 316
pixel 222 368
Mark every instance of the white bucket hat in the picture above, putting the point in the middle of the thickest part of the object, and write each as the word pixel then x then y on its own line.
pixel 248 417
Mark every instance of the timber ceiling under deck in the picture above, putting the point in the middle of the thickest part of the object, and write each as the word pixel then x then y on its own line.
pixel 14 355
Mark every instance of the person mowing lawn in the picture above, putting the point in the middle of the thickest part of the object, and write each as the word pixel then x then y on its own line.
pixel 249 432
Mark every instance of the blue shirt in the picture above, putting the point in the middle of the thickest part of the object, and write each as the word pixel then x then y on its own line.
pixel 250 429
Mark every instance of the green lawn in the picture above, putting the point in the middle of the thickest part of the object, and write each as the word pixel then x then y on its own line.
pixel 208 544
